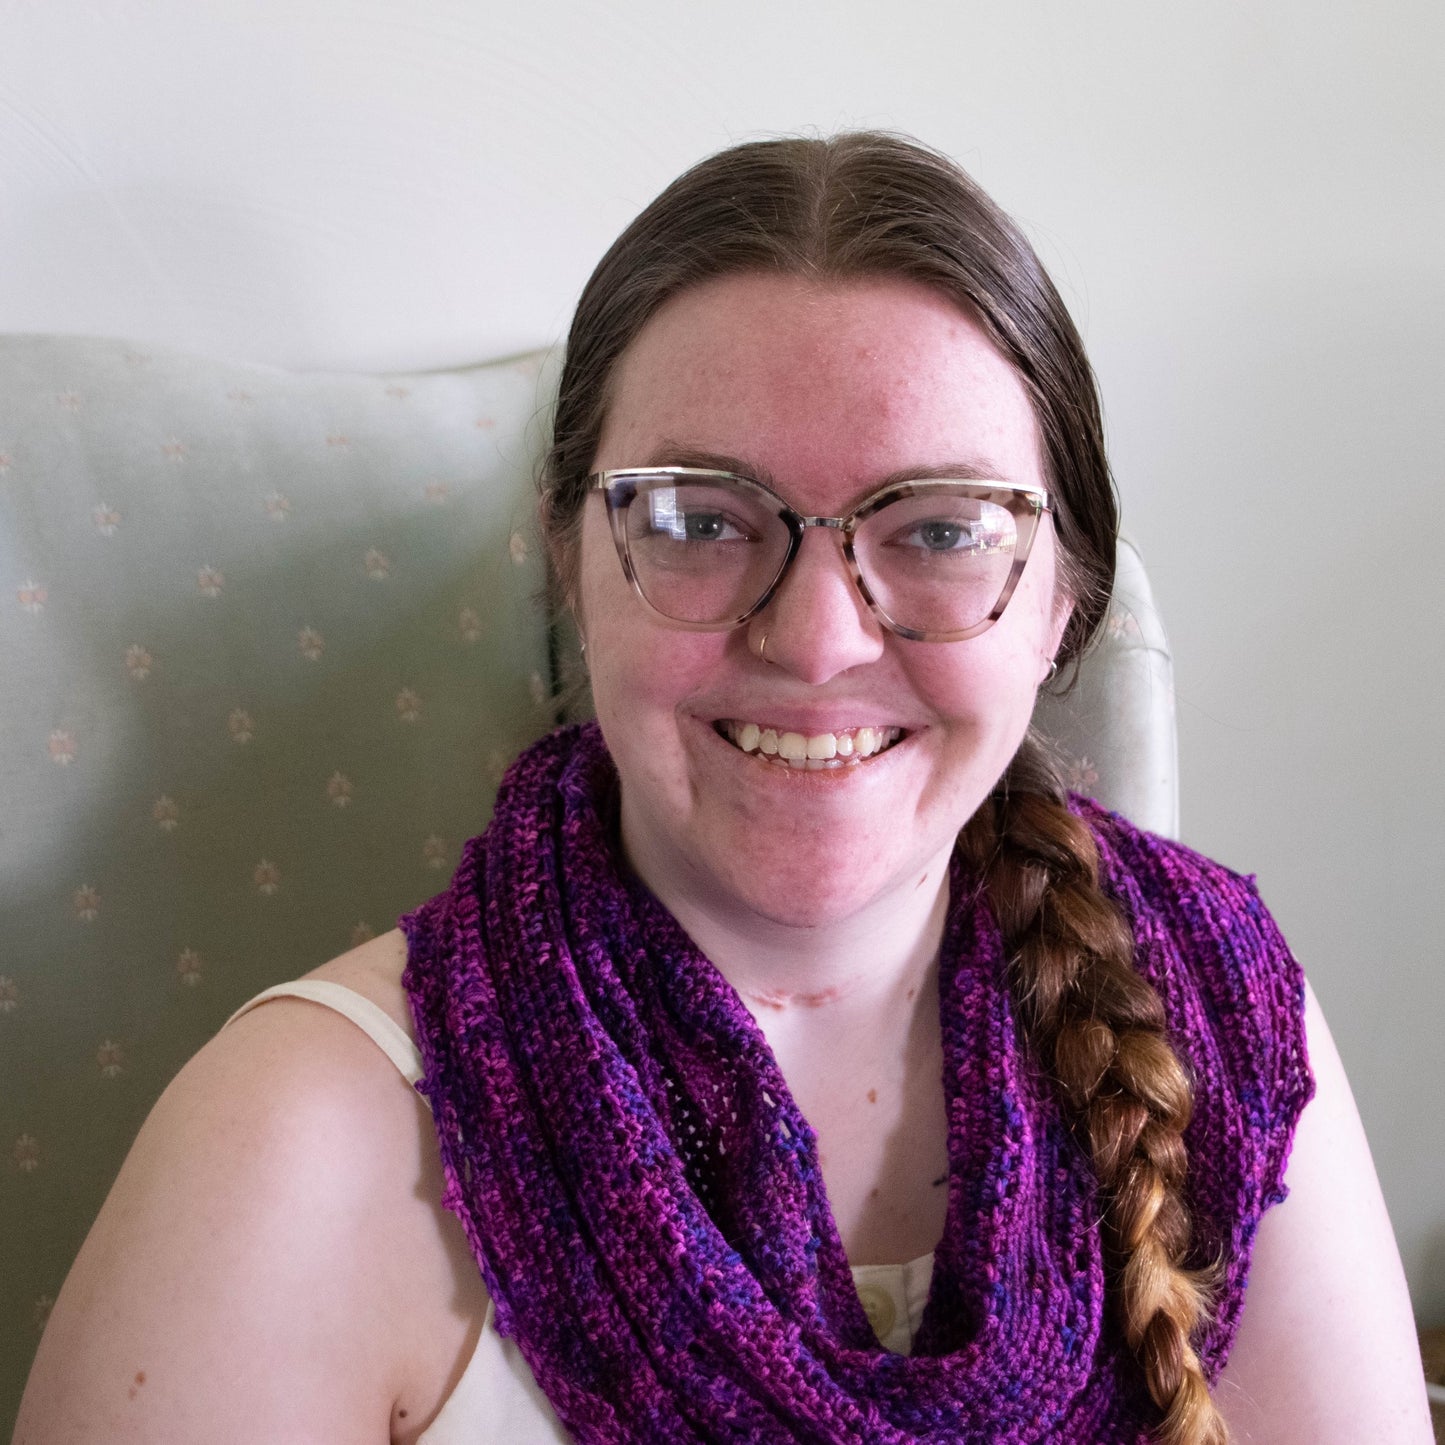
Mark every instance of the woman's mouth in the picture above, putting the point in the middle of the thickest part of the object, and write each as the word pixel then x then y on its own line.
pixel 808 752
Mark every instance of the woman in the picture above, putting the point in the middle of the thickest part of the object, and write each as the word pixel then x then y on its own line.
pixel 809 967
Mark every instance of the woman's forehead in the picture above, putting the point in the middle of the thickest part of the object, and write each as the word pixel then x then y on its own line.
pixel 795 376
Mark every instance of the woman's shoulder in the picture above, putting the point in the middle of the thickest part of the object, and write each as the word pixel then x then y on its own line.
pixel 374 970
pixel 275 1242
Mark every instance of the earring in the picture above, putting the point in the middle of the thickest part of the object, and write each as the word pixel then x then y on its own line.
pixel 1053 672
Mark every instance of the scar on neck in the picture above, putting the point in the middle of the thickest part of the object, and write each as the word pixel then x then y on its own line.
pixel 780 999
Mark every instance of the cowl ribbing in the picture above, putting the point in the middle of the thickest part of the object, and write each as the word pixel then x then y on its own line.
pixel 644 1197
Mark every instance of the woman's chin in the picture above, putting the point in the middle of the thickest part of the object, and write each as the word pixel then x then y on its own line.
pixel 808 893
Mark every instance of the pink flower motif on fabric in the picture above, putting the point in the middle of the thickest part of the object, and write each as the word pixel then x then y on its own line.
pixel 86 900
pixel 70 400
pixel 437 493
pixel 486 423
pixel 311 644
pixel 339 789
pixel 377 564
pixel 6 462
pixel 338 439
pixel 240 396
pixel 188 966
pixel 210 580
pixel 408 706
pixel 61 746
pixel 538 689
pixel 361 933
pixel 110 1059
pixel 26 1154
pixel 517 548
pixel 32 596
pixel 278 507
pixel 1081 775
pixel 138 662
pixel 240 726
pixel 398 393
pixel 267 878
pixel 1121 623
pixel 106 519
pixel 9 995
pixel 173 449
pixel 470 624
pixel 434 851
pixel 166 814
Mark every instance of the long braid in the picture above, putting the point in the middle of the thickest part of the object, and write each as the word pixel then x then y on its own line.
pixel 1099 1028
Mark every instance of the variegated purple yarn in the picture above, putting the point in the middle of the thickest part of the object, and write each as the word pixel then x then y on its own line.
pixel 645 1200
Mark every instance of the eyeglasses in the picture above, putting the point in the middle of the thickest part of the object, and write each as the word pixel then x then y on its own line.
pixel 935 560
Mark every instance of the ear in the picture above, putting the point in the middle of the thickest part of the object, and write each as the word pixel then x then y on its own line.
pixel 1062 610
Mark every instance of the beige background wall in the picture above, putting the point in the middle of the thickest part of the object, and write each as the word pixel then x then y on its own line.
pixel 1244 203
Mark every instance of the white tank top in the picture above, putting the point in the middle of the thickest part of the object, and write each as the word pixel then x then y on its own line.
pixel 496 1401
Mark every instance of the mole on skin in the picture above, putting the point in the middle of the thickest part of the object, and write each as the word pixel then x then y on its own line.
pixel 140 1379
pixel 872 1096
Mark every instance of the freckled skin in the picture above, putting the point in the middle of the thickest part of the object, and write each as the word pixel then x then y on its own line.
pixel 827 390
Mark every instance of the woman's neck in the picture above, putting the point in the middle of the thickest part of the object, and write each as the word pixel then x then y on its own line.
pixel 873 964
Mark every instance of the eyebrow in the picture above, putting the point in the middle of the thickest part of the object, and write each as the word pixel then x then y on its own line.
pixel 675 454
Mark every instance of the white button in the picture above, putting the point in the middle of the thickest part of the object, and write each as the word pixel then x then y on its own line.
pixel 878 1305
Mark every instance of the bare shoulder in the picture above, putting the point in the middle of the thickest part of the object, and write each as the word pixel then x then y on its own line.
pixel 374 969
pixel 1327 1353
pixel 273 1261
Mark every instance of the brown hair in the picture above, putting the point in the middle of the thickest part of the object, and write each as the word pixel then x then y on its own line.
pixel 865 205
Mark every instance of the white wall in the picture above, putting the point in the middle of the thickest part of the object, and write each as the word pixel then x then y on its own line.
pixel 1244 203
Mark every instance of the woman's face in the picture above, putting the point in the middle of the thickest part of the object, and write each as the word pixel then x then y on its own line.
pixel 823 391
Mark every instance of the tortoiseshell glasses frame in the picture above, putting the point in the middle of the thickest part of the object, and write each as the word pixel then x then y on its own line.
pixel 953 592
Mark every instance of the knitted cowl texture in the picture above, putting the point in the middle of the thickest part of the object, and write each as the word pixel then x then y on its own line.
pixel 644 1198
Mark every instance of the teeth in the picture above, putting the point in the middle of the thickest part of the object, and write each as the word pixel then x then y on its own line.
pixel 793 747
pixel 815 752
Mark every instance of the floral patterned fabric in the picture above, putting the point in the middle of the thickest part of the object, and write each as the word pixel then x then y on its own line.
pixel 267 641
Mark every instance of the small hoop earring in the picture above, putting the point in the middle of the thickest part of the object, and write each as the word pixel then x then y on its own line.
pixel 763 648
pixel 1053 672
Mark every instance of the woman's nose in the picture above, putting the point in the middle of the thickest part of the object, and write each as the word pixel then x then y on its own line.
pixel 818 624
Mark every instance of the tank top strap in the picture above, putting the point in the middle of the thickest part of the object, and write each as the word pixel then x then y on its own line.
pixel 370 1018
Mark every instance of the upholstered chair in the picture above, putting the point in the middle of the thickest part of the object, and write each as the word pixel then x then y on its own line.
pixel 268 640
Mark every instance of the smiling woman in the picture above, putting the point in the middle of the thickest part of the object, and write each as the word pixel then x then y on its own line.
pixel 804 1063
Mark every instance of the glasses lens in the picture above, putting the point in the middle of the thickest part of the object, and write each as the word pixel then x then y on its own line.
pixel 936 560
pixel 703 551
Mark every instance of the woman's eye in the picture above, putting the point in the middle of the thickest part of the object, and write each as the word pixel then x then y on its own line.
pixel 709 527
pixel 939 536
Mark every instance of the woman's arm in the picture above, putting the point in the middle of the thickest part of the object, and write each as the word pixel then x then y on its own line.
pixel 250 1276
pixel 1327 1353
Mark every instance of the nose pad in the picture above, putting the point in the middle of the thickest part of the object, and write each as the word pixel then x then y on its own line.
pixel 818 623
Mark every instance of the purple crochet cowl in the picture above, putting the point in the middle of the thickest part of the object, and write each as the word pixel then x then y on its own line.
pixel 645 1201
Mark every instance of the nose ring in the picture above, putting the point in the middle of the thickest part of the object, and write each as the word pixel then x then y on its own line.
pixel 763 647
